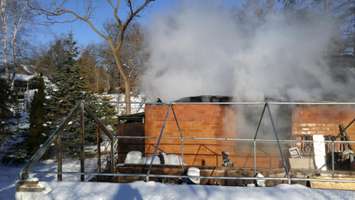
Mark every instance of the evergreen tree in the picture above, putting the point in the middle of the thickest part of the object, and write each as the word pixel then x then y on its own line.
pixel 5 98
pixel 71 88
pixel 87 65
pixel 6 102
pixel 37 114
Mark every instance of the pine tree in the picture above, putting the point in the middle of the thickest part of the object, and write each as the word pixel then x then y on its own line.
pixel 6 101
pixel 37 117
pixel 71 88
pixel 87 65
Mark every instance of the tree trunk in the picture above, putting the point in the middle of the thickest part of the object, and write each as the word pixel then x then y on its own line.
pixel 96 80
pixel 16 27
pixel 128 97
pixel 4 36
pixel 127 86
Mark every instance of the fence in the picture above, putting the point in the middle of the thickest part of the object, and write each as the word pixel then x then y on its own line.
pixel 277 147
pixel 288 175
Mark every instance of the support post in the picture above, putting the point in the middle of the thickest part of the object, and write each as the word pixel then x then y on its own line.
pixel 260 120
pixel 82 141
pixel 52 137
pixel 157 143
pixel 349 124
pixel 101 125
pixel 254 156
pixel 333 159
pixel 112 157
pixel 59 157
pixel 98 141
pixel 278 142
pixel 182 143
pixel 256 135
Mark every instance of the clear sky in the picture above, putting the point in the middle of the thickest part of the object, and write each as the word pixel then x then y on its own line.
pixel 103 12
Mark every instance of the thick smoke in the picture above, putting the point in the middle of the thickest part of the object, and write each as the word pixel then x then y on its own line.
pixel 205 49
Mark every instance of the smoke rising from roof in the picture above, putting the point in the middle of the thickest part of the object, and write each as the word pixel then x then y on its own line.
pixel 204 49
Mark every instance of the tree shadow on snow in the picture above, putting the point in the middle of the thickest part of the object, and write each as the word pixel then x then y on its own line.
pixel 127 192
pixel 8 192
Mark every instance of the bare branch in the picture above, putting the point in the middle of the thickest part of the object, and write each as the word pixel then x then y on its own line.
pixel 85 19
pixel 130 6
pixel 58 11
pixel 133 13
pixel 114 37
pixel 115 11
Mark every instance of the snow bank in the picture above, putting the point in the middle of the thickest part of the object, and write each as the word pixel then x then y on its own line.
pixel 71 188
pixel 158 191
pixel 9 174
pixel 8 177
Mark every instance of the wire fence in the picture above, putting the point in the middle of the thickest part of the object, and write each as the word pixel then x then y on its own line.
pixel 304 166
pixel 278 159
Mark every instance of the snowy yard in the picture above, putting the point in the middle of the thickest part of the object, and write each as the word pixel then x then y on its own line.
pixel 158 191
pixel 71 188
pixel 9 174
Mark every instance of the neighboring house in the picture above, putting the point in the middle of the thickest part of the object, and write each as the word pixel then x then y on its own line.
pixel 23 86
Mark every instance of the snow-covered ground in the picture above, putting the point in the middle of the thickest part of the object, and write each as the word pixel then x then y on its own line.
pixel 71 188
pixel 9 174
pixel 158 191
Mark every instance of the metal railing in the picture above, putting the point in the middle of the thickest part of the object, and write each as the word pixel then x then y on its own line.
pixel 56 137
pixel 291 177
pixel 288 176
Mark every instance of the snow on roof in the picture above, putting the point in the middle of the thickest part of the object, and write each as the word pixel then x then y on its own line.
pixel 20 77
pixel 23 77
pixel 28 69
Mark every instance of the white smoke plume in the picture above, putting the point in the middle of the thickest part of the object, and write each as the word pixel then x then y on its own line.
pixel 204 49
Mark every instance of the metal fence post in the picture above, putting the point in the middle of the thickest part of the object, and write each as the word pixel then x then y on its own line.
pixel 256 135
pixel 112 156
pixel 333 159
pixel 157 144
pixel 41 151
pixel 254 157
pixel 278 141
pixel 181 137
pixel 59 157
pixel 98 141
pixel 82 141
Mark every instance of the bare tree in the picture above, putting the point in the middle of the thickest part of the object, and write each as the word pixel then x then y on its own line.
pixel 20 17
pixel 4 34
pixel 15 17
pixel 132 55
pixel 116 41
